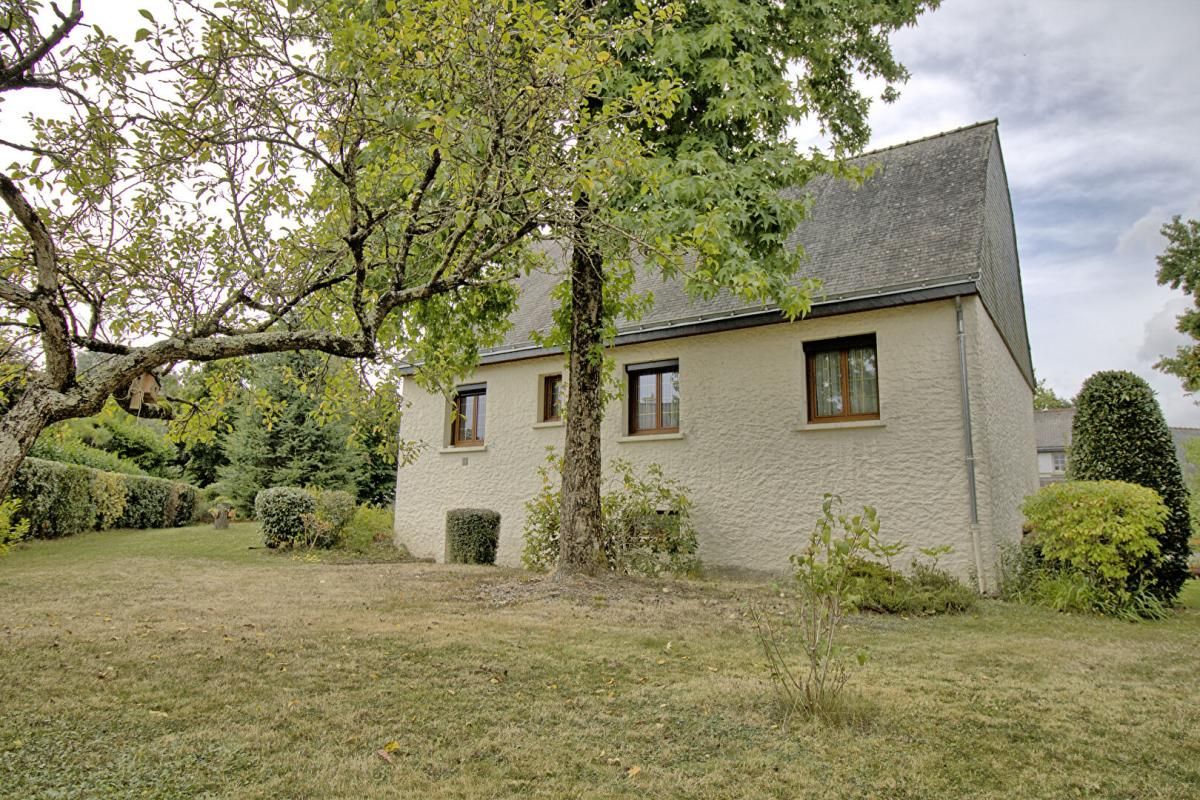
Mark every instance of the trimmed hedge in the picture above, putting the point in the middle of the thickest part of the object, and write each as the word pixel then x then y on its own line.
pixel 1119 434
pixel 472 535
pixel 282 510
pixel 64 499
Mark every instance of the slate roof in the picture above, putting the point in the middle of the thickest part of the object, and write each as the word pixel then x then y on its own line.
pixel 1052 428
pixel 934 221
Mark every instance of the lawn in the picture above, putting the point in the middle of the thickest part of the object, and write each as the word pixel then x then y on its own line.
pixel 185 664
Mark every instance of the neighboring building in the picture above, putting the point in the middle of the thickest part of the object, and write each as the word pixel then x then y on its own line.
pixel 1053 432
pixel 1052 429
pixel 759 417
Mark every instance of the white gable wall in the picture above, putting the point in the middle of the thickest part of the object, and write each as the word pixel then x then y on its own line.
pixel 755 470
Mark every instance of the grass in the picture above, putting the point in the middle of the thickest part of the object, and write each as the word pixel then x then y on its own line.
pixel 184 664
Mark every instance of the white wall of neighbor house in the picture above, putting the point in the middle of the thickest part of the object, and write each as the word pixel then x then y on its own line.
pixel 755 467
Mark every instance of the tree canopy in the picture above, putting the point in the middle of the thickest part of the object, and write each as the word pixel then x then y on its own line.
pixel 1044 398
pixel 355 177
pixel 722 182
pixel 1179 268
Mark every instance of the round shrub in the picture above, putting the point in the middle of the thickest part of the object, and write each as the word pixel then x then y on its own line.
pixel 281 511
pixel 1105 531
pixel 472 535
pixel 1119 434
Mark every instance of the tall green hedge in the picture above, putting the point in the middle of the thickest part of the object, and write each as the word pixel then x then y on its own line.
pixel 65 499
pixel 1119 434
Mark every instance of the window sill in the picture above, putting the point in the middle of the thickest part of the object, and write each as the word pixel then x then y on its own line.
pixel 475 448
pixel 650 437
pixel 550 423
pixel 834 426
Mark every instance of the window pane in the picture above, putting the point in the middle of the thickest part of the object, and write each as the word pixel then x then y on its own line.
pixel 553 397
pixel 827 383
pixel 646 401
pixel 670 399
pixel 864 384
pixel 466 425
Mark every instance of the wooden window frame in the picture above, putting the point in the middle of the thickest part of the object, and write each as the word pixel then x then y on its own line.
pixel 635 372
pixel 551 410
pixel 842 347
pixel 460 397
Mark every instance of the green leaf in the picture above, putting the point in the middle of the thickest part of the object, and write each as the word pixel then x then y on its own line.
pixel 141 35
pixel 147 15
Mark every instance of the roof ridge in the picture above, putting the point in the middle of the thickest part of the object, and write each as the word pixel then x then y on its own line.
pixel 951 132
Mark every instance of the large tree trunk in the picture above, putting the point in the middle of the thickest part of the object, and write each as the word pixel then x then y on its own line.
pixel 19 429
pixel 579 524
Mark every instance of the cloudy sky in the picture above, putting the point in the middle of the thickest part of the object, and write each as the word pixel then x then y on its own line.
pixel 1099 109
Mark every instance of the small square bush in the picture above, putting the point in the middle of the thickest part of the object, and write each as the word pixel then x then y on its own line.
pixel 281 510
pixel 472 535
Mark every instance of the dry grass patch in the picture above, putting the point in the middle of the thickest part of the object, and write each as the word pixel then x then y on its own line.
pixel 184 664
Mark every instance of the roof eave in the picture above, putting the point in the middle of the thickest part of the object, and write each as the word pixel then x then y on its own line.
pixel 955 286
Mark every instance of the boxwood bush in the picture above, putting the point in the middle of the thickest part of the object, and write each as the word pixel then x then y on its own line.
pixel 281 510
pixel 64 499
pixel 472 535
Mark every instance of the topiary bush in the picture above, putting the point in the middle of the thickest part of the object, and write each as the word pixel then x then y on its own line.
pixel 1119 434
pixel 472 535
pixel 281 511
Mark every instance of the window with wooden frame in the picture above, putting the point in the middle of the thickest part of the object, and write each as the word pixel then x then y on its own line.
pixel 552 398
pixel 843 379
pixel 467 424
pixel 653 397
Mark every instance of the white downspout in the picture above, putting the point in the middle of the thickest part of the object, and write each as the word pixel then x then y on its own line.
pixel 968 444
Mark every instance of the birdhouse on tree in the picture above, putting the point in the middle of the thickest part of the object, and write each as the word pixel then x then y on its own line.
pixel 144 389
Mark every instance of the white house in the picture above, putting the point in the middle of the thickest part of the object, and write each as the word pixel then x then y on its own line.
pixel 909 386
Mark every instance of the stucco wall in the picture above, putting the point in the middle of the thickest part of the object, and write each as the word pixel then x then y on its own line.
pixel 755 470
pixel 1006 449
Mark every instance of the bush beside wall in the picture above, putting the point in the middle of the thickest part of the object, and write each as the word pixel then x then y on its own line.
pixel 472 535
pixel 64 499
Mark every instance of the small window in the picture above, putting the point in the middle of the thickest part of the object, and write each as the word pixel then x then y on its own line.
pixel 552 398
pixel 843 379
pixel 467 426
pixel 1060 462
pixel 654 398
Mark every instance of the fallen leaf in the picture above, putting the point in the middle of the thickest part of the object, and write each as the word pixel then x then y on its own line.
pixel 633 772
